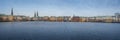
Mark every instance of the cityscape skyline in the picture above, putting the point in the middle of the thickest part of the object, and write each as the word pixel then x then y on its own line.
pixel 60 7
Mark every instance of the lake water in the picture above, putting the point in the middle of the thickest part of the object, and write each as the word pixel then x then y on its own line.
pixel 59 31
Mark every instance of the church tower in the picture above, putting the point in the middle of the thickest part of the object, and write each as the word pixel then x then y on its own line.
pixel 12 11
pixel 34 14
pixel 37 14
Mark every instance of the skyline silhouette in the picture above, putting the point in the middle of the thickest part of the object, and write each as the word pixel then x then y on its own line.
pixel 61 7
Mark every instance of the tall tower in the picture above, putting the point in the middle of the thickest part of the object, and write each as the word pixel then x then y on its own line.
pixel 34 14
pixel 37 14
pixel 12 11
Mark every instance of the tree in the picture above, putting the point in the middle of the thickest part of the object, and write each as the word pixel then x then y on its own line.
pixel 2 15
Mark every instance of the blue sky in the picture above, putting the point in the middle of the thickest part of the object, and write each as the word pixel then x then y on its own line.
pixel 61 7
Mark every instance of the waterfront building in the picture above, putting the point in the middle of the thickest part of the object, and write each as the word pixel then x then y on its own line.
pixel 90 19
pixel 34 19
pixel 21 18
pixel 119 20
pixel 7 18
pixel 117 16
pixel 82 19
pixel 46 18
pixel 99 18
pixel 27 19
pixel 66 18
pixel 40 18
pixel 60 19
pixel 10 18
pixel 18 18
pixel 75 19
pixel 108 19
pixel 52 18
pixel 3 18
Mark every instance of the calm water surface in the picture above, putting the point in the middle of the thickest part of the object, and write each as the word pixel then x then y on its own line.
pixel 59 31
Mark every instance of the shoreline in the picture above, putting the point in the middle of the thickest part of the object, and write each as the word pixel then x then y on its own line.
pixel 57 21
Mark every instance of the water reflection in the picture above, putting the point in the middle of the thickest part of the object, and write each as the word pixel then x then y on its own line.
pixel 59 31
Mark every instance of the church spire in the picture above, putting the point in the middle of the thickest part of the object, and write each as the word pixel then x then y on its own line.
pixel 12 11
pixel 37 14
pixel 34 14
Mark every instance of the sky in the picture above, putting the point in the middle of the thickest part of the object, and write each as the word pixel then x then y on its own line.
pixel 60 7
